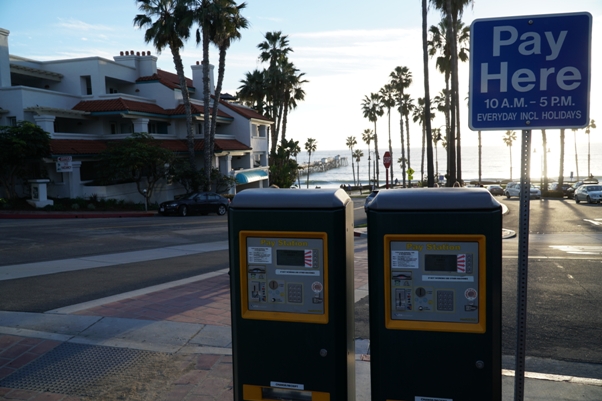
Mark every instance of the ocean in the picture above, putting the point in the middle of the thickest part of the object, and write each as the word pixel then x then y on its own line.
pixel 495 164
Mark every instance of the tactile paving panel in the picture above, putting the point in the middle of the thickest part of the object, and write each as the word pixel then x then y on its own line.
pixel 70 368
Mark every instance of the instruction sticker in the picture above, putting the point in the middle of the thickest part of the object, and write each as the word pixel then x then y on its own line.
pixel 404 259
pixel 259 254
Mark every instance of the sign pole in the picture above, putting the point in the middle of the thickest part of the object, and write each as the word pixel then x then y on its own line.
pixel 523 267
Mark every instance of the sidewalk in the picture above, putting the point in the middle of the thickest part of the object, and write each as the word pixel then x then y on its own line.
pixel 173 342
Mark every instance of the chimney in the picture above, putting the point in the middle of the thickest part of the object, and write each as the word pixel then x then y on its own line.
pixel 197 79
pixel 4 59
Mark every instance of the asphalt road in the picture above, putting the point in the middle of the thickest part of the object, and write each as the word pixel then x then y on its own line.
pixel 565 268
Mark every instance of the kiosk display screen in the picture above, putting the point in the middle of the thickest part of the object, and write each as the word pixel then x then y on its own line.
pixel 290 257
pixel 440 263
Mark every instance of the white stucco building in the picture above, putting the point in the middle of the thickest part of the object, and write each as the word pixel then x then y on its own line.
pixel 85 102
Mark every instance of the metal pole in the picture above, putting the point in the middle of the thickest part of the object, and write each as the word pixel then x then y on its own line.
pixel 523 268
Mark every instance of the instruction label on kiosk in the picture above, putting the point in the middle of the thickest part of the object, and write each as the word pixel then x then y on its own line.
pixel 283 276
pixel 435 282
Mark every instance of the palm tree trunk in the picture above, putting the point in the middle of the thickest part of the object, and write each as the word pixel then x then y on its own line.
pixel 390 146
pixel 376 162
pixel 186 97
pixel 285 116
pixel 455 86
pixel 206 104
pixel 408 138
pixel 308 169
pixel 353 167
pixel 427 101
pixel 451 143
pixel 422 157
pixel 403 152
pixel 218 90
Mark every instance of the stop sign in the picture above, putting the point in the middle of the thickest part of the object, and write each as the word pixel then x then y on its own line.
pixel 387 159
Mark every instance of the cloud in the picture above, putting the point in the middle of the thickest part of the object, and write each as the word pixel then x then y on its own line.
pixel 73 24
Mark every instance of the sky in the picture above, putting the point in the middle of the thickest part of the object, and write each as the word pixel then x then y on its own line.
pixel 347 49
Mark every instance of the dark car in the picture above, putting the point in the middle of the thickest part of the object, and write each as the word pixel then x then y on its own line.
pixel 495 190
pixel 197 202
pixel 369 199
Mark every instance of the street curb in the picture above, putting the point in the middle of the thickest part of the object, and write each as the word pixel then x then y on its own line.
pixel 84 215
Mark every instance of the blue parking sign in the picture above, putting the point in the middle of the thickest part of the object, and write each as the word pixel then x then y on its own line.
pixel 530 72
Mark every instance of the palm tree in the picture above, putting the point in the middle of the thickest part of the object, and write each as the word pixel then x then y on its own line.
pixel 592 124
pixel 295 150
pixel 576 158
pixel 292 91
pixel 405 108
pixel 427 96
pixel 170 29
pixel 367 137
pixel 436 138
pixel 253 90
pixel 418 116
pixel 310 146
pixel 351 142
pixel 357 155
pixel 510 137
pixel 274 50
pixel 387 95
pixel 372 108
pixel 453 10
pixel 401 79
pixel 226 23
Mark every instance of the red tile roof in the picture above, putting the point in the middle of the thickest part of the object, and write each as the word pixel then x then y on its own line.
pixel 84 147
pixel 123 105
pixel 245 111
pixel 118 105
pixel 196 109
pixel 166 78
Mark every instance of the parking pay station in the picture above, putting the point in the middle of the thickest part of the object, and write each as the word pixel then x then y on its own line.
pixel 434 257
pixel 291 276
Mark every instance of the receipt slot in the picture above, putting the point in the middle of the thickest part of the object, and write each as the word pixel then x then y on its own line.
pixel 291 282
pixel 435 295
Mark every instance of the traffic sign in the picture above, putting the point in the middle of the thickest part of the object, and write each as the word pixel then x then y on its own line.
pixel 530 72
pixel 387 159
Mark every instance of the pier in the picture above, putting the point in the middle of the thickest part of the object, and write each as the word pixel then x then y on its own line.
pixel 324 164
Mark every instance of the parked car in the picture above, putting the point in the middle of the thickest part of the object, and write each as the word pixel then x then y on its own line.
pixel 196 202
pixel 369 199
pixel 571 191
pixel 590 193
pixel 513 189
pixel 565 188
pixel 495 190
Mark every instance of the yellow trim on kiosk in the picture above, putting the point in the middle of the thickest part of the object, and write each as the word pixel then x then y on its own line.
pixel 255 393
pixel 280 316
pixel 421 325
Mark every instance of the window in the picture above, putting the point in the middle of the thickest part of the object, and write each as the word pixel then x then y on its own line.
pixel 127 128
pixel 113 128
pixel 157 127
pixel 200 129
pixel 86 81
pixel 12 121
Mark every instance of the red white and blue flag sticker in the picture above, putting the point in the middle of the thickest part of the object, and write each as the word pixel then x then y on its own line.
pixel 309 258
pixel 461 263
